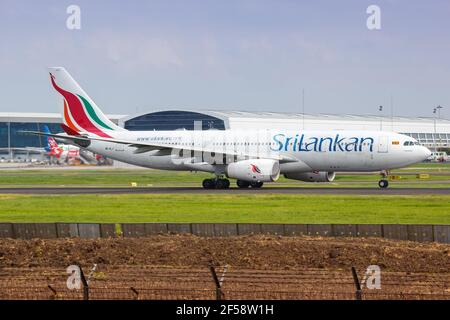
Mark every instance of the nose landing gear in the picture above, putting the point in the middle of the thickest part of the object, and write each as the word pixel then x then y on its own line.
pixel 384 183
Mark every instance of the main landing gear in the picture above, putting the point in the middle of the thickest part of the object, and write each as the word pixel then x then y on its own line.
pixel 216 183
pixel 246 184
pixel 219 183
pixel 384 183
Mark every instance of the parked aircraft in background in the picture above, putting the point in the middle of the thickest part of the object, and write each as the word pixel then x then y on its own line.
pixel 62 153
pixel 251 157
pixel 52 147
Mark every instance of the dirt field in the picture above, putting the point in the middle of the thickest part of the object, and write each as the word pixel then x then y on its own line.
pixel 260 252
pixel 259 267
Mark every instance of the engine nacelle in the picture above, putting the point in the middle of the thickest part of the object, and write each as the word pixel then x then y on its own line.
pixel 321 176
pixel 262 170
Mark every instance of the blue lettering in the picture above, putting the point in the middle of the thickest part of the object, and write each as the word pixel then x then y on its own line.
pixel 312 143
pixel 286 146
pixel 295 143
pixel 361 143
pixel 320 144
pixel 322 140
pixel 300 144
pixel 338 143
pixel 280 143
pixel 352 146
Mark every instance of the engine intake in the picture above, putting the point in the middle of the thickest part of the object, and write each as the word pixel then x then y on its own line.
pixel 262 170
pixel 321 176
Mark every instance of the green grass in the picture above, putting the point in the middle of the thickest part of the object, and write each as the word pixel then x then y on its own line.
pixel 155 178
pixel 257 208
pixel 97 177
pixel 226 208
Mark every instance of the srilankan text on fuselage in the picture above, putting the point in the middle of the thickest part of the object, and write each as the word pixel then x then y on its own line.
pixel 336 143
pixel 280 142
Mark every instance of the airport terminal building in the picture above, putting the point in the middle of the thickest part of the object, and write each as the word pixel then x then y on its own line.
pixel 430 132
pixel 18 146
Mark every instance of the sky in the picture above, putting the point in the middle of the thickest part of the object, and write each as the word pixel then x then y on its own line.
pixel 251 55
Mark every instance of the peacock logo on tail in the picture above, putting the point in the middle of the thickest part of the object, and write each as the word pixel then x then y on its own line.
pixel 79 115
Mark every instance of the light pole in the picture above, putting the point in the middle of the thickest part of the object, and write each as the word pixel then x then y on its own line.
pixel 434 136
pixel 437 111
pixel 9 140
pixel 380 108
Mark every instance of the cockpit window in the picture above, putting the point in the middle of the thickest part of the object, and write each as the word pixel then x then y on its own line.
pixel 410 143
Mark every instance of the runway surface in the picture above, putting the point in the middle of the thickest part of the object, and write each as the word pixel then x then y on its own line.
pixel 199 190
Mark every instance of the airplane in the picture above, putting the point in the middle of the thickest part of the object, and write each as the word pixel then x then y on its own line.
pixel 60 152
pixel 52 147
pixel 252 157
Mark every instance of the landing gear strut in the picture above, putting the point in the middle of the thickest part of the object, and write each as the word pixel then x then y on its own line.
pixel 216 183
pixel 384 183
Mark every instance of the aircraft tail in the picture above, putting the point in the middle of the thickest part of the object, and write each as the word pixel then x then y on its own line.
pixel 80 113
pixel 52 146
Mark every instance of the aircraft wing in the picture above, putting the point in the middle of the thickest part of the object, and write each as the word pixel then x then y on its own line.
pixel 142 147
pixel 33 149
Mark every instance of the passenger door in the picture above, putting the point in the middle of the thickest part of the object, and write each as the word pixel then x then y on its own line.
pixel 383 144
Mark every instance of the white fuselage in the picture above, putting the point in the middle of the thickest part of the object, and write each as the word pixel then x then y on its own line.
pixel 300 151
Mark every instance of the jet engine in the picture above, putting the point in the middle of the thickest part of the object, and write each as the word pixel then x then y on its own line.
pixel 261 170
pixel 321 176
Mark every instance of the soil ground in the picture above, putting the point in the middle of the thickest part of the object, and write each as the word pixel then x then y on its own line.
pixel 259 267
pixel 259 252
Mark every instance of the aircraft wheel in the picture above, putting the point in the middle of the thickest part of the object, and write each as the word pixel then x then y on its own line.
pixel 242 184
pixel 383 184
pixel 222 184
pixel 209 183
pixel 256 184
